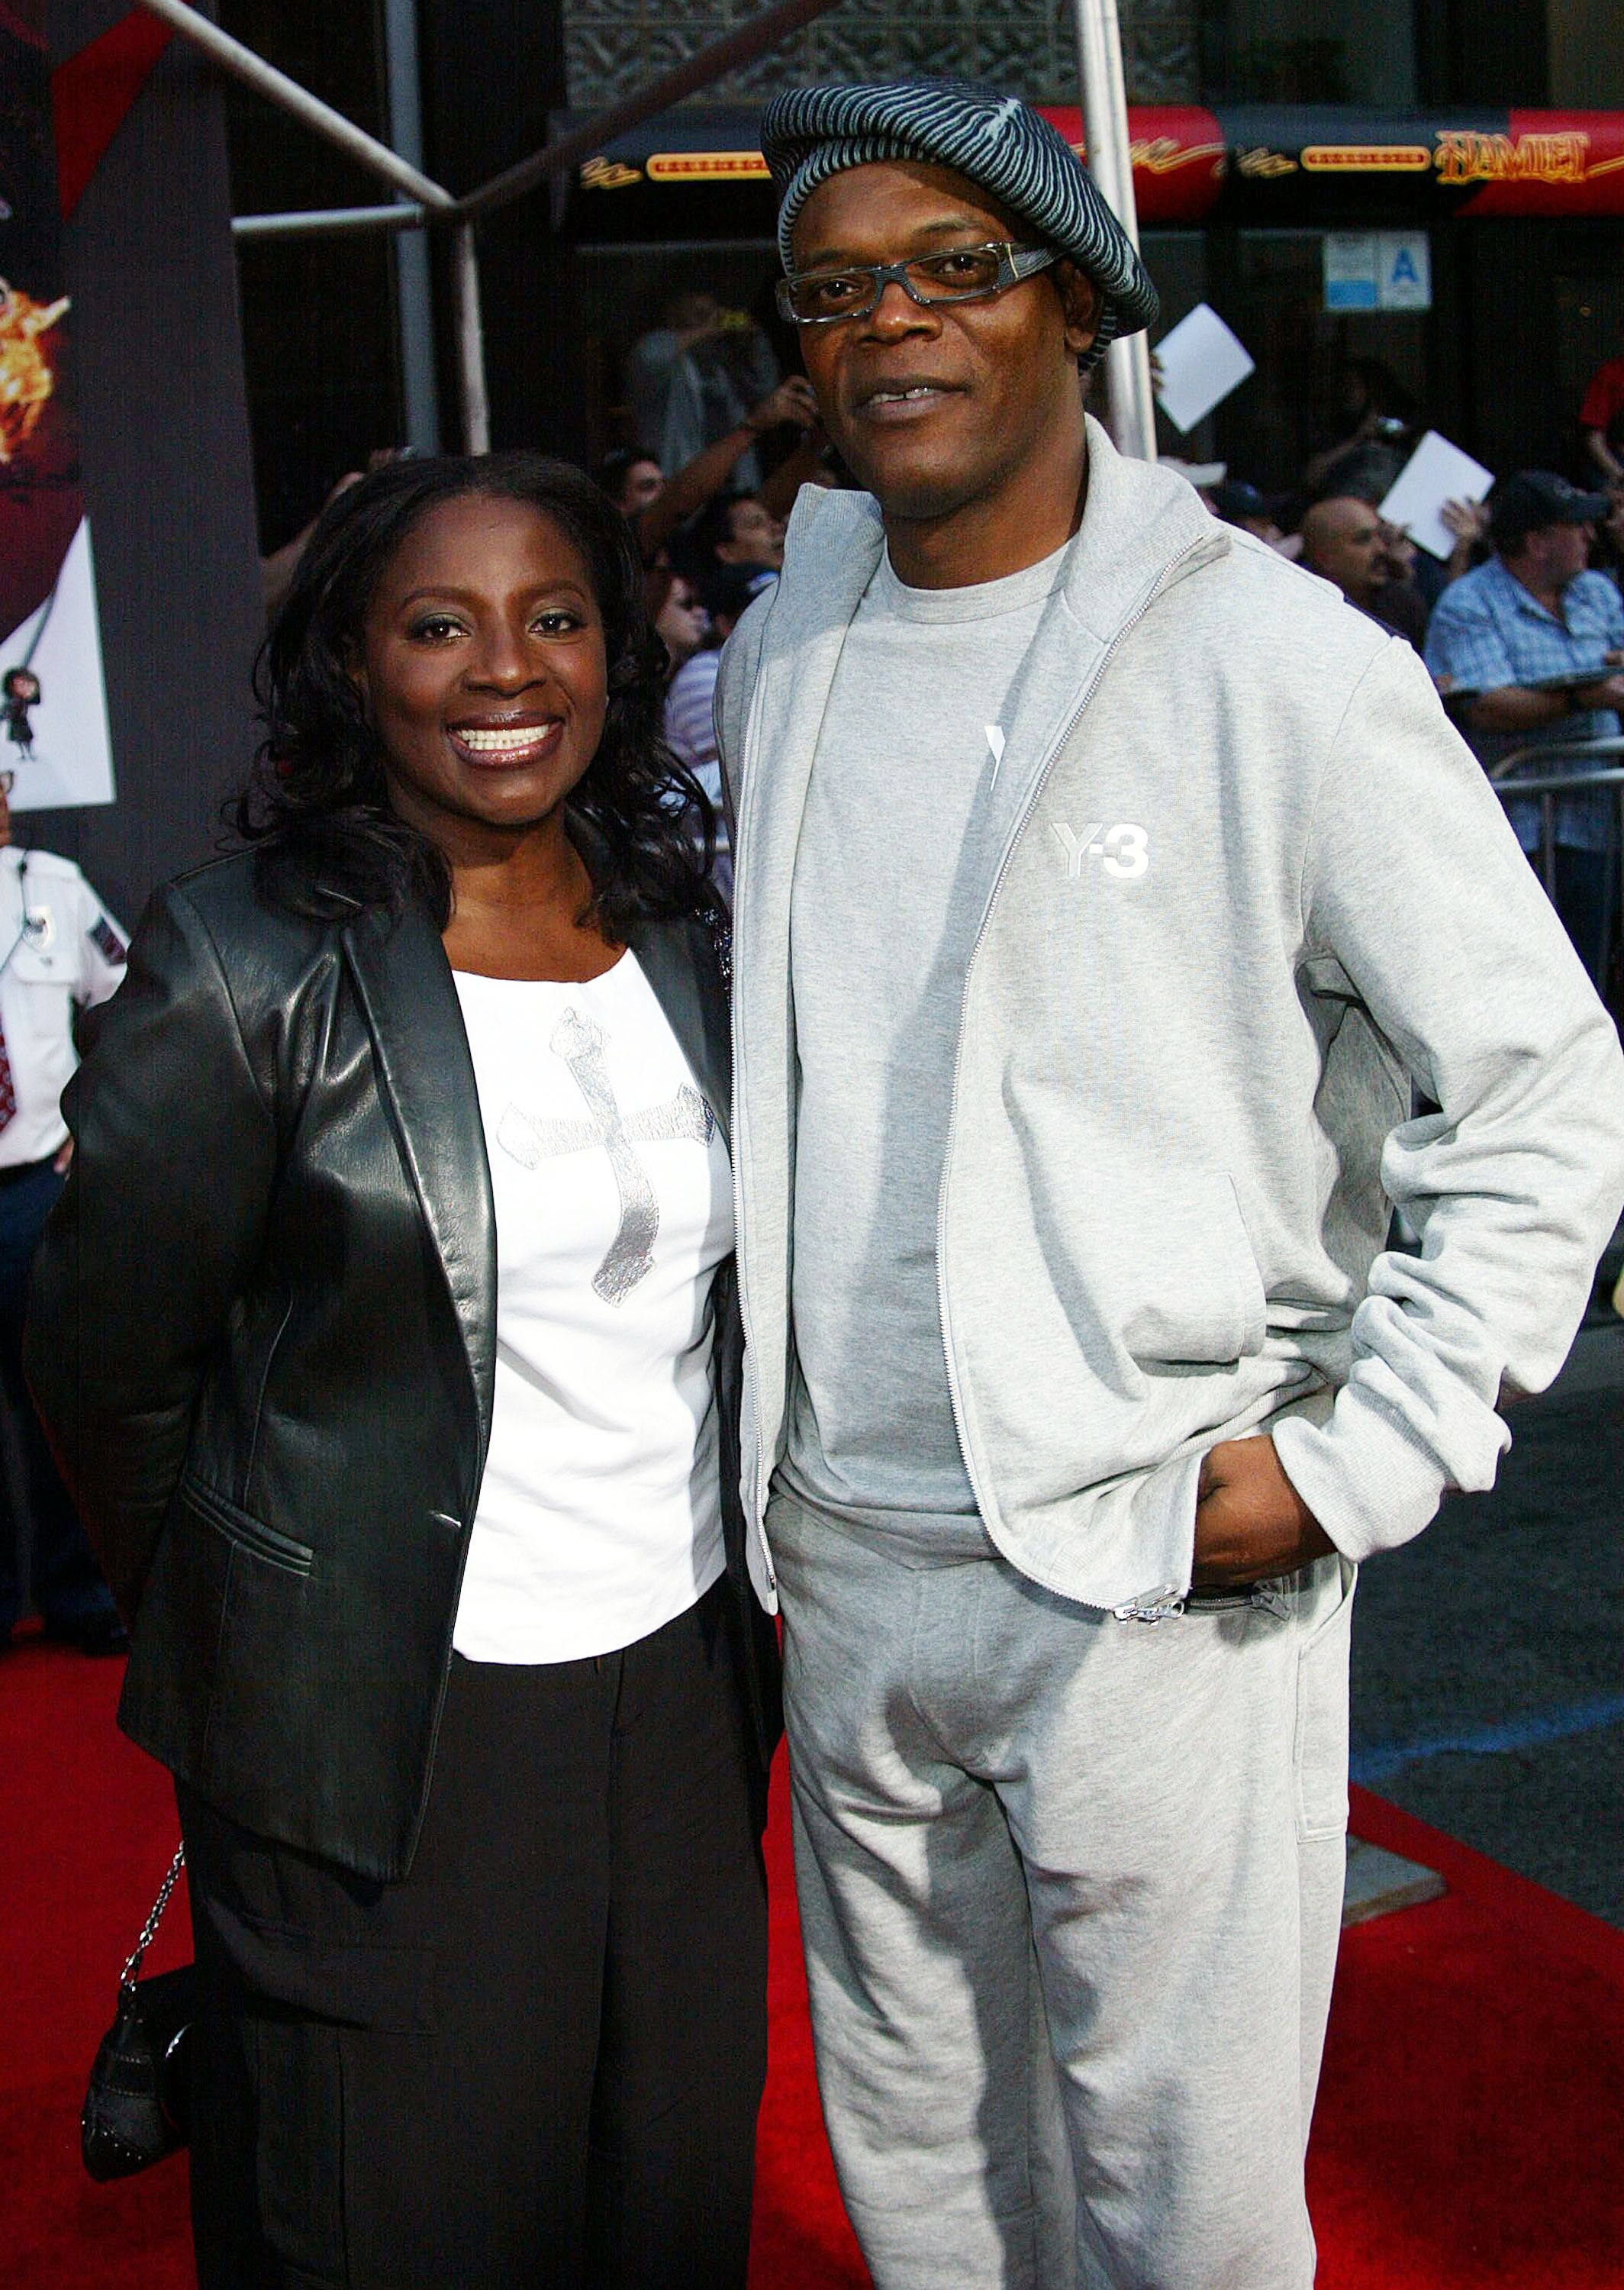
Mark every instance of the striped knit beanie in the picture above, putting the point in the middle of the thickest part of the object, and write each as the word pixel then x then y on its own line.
pixel 995 142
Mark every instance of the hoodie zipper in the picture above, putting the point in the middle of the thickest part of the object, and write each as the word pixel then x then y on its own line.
pixel 757 1504
pixel 1158 1604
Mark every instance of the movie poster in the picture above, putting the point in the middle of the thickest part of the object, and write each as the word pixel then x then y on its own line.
pixel 53 717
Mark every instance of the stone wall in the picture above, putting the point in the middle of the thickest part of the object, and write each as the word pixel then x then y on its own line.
pixel 1023 47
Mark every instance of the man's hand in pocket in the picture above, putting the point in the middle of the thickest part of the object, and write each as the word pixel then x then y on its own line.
pixel 1249 1520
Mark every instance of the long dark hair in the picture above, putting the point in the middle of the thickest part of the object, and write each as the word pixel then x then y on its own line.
pixel 317 805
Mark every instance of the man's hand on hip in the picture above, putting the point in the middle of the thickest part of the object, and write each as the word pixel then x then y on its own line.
pixel 1249 1520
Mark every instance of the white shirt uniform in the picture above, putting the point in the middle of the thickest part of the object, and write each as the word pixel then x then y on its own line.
pixel 59 947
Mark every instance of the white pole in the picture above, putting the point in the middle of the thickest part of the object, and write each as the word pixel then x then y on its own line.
pixel 470 340
pixel 312 222
pixel 413 294
pixel 1131 409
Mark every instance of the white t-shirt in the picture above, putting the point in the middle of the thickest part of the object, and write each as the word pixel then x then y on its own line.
pixel 909 794
pixel 599 1515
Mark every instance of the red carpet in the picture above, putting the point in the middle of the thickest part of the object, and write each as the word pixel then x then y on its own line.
pixel 1468 2128
pixel 1466 2138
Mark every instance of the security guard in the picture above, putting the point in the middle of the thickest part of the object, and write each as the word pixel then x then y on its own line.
pixel 59 947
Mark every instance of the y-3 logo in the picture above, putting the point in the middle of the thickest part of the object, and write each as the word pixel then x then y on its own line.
pixel 1122 851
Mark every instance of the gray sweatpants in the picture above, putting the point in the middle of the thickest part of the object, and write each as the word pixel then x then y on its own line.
pixel 1070 1891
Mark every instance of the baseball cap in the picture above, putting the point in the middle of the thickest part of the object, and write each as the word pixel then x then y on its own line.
pixel 1534 498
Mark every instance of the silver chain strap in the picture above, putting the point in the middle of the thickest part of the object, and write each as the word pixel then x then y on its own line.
pixel 126 1978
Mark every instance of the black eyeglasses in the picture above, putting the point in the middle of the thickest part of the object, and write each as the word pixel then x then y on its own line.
pixel 963 274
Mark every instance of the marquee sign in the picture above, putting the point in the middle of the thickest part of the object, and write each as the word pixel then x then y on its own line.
pixel 1276 165
pixel 1432 165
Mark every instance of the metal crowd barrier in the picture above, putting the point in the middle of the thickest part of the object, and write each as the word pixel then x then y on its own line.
pixel 1547 783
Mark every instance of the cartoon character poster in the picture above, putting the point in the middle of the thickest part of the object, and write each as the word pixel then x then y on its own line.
pixel 53 717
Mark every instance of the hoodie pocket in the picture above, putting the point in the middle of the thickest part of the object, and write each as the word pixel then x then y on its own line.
pixel 1163 1268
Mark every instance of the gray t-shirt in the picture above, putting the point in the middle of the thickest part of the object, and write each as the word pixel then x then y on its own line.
pixel 910 787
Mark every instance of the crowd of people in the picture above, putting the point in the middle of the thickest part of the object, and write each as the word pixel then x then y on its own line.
pixel 1529 593
pixel 1522 626
pixel 486 1290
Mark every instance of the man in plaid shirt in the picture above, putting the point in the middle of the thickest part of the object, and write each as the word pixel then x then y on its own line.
pixel 1532 612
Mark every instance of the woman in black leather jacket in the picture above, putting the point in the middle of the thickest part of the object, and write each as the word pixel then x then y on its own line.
pixel 387 1333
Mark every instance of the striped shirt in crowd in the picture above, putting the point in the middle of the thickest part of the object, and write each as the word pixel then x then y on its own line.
pixel 692 734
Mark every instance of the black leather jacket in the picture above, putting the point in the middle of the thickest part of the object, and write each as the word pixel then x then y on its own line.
pixel 262 1336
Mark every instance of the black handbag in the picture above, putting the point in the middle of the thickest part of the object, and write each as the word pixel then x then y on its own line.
pixel 136 2109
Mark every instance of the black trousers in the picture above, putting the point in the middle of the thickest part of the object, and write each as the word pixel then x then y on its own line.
pixel 538 2058
pixel 66 1581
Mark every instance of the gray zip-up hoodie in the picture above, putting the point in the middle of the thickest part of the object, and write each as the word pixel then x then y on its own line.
pixel 1255 886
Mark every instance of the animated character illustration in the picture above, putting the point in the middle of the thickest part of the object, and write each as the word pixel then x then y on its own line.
pixel 20 693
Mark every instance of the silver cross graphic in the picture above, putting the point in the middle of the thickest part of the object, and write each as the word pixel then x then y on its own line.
pixel 580 1042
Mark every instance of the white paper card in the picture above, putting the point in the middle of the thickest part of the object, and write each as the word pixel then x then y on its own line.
pixel 1436 472
pixel 1201 363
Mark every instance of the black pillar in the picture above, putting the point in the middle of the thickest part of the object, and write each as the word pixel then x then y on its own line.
pixel 168 475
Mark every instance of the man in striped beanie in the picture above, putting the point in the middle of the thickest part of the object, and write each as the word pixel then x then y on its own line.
pixel 1101 881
